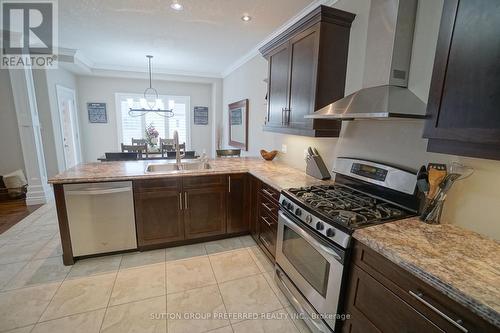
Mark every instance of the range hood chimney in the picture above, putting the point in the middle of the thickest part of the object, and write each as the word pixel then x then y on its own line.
pixel 385 92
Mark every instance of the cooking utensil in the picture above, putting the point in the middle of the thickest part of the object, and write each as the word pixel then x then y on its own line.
pixel 432 211
pixel 423 180
pixel 436 172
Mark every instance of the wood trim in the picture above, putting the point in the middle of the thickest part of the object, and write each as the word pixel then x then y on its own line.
pixel 470 149
pixel 62 218
pixel 235 105
pixel 320 14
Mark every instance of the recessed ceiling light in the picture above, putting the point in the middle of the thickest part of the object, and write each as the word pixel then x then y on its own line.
pixel 176 6
pixel 246 18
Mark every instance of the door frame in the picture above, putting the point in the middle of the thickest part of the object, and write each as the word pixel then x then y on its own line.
pixel 74 123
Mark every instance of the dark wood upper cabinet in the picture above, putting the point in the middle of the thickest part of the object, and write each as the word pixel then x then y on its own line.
pixel 204 206
pixel 279 60
pixel 238 204
pixel 464 98
pixel 307 71
pixel 158 213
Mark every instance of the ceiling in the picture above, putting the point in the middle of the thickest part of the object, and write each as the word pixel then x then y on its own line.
pixel 205 38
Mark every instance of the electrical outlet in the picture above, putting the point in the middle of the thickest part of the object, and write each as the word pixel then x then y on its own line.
pixel 283 148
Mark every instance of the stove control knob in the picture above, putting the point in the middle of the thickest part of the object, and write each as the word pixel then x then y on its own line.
pixel 309 219
pixel 320 226
pixel 298 212
pixel 284 202
pixel 289 206
pixel 330 232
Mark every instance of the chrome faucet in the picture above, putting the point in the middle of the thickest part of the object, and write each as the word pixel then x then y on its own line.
pixel 178 155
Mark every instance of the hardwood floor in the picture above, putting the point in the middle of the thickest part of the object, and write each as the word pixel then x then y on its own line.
pixel 13 211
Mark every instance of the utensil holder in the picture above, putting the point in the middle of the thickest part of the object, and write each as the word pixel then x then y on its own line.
pixel 315 167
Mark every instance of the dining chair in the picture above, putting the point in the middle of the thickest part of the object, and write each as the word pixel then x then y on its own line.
pixel 139 142
pixel 166 145
pixel 140 149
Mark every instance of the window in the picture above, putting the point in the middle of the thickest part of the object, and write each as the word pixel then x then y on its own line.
pixel 134 127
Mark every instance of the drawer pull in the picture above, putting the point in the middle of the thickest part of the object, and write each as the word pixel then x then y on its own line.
pixel 266 243
pixel 269 209
pixel 419 296
pixel 266 221
pixel 268 193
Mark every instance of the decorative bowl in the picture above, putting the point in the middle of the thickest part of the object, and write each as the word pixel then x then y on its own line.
pixel 268 155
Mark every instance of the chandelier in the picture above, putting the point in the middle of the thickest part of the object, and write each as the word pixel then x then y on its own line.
pixel 151 101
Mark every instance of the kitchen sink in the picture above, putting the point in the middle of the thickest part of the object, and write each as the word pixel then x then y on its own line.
pixel 169 167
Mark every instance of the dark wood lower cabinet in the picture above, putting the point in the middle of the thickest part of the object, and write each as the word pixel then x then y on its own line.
pixel 205 212
pixel 238 203
pixel 157 215
pixel 383 297
pixel 374 308
pixel 264 216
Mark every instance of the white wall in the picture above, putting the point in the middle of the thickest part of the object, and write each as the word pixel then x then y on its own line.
pixel 45 85
pixel 99 138
pixel 11 154
pixel 471 203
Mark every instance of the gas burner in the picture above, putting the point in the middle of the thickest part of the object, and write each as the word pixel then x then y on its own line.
pixel 346 206
pixel 348 218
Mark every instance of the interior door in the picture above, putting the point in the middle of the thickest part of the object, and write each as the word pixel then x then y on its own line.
pixel 279 65
pixel 66 102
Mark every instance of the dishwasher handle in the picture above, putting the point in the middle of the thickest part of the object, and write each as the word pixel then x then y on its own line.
pixel 96 191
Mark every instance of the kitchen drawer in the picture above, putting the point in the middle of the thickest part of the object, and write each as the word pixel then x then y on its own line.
pixel 433 304
pixel 268 234
pixel 374 308
pixel 270 192
pixel 269 207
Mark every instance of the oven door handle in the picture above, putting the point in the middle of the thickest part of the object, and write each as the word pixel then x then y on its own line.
pixel 310 239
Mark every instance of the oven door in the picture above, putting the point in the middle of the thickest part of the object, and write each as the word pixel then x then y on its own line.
pixel 314 266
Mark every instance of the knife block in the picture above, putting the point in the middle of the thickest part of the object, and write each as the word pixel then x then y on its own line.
pixel 315 167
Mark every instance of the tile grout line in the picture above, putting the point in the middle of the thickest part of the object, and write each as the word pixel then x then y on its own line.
pixel 110 294
pixel 220 293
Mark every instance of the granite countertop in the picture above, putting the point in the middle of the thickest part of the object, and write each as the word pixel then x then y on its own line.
pixel 274 173
pixel 460 263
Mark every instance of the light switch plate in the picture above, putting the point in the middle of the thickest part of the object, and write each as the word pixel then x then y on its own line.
pixel 283 148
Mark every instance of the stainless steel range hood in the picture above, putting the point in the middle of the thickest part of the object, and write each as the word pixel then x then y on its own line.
pixel 391 26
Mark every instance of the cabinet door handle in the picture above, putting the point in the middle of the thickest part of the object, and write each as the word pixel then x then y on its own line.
pixel 268 193
pixel 229 185
pixel 186 200
pixel 180 201
pixel 419 296
pixel 266 221
pixel 267 207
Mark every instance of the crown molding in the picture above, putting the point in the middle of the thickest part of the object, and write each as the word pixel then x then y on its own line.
pixel 157 70
pixel 255 51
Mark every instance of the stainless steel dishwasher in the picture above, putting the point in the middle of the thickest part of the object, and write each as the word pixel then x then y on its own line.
pixel 100 217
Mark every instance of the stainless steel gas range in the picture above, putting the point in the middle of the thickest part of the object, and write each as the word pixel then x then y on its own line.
pixel 315 226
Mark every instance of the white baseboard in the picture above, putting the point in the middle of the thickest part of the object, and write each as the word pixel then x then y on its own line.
pixel 38 195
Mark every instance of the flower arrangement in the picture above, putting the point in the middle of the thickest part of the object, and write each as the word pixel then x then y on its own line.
pixel 152 135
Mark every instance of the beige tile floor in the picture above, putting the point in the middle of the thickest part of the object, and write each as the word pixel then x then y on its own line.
pixel 222 286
